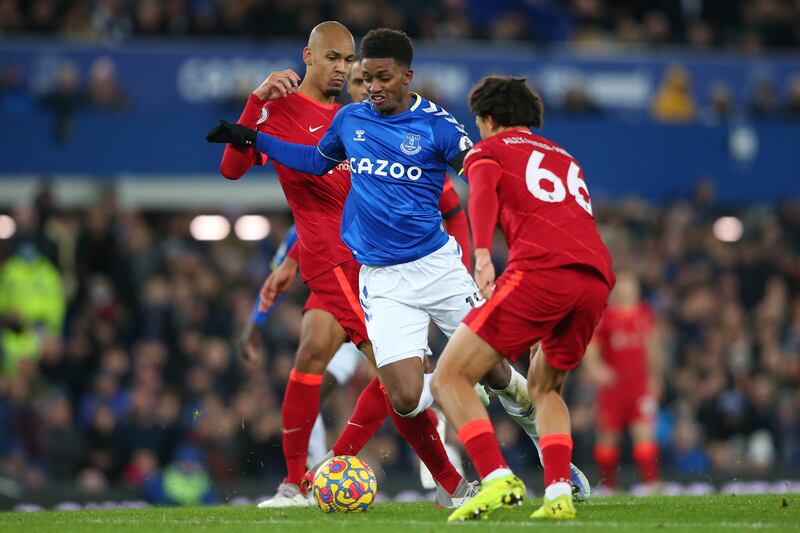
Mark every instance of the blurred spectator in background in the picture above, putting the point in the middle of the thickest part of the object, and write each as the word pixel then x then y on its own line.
pixel 64 445
pixel 77 21
pixel 148 17
pixel 673 101
pixel 63 100
pixel 43 16
pixel 511 26
pixel 112 19
pixel 764 102
pixel 14 94
pixel 657 29
pixel 793 97
pixel 11 17
pixel 184 481
pixel 104 89
pixel 32 298
pixel 720 106
pixel 577 101
pixel 700 35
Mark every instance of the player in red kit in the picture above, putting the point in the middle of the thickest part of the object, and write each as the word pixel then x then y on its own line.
pixel 332 314
pixel 553 291
pixel 623 360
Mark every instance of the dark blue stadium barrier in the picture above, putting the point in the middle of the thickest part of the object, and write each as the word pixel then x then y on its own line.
pixel 619 158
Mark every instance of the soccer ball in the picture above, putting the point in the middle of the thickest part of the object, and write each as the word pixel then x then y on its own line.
pixel 344 484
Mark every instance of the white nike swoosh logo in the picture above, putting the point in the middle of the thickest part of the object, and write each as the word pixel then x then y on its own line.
pixel 293 430
pixel 312 130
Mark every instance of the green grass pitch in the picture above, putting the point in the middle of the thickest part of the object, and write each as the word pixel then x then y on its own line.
pixel 671 513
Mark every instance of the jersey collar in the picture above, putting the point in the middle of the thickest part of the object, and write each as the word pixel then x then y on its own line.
pixel 319 104
pixel 416 100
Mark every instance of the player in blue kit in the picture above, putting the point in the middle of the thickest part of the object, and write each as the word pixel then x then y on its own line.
pixel 399 146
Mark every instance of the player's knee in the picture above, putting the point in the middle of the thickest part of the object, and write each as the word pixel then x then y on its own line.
pixel 311 357
pixel 498 377
pixel 541 386
pixel 438 383
pixel 405 401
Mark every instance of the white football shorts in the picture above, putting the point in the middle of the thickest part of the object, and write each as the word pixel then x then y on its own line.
pixel 399 302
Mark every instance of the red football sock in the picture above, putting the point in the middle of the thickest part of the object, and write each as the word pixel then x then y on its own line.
pixel 607 459
pixel 646 456
pixel 420 432
pixel 556 455
pixel 298 414
pixel 370 412
pixel 482 447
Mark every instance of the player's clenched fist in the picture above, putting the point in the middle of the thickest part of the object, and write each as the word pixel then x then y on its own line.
pixel 484 272
pixel 278 84
pixel 277 283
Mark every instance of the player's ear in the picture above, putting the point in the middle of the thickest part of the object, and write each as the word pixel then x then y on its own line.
pixel 307 56
pixel 408 76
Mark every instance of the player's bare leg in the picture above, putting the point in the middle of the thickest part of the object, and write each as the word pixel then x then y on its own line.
pixel 511 388
pixel 645 453
pixel 545 384
pixel 320 337
pixel 404 382
pixel 409 401
pixel 466 359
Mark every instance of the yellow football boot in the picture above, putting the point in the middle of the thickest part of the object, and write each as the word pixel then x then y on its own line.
pixel 559 508
pixel 505 491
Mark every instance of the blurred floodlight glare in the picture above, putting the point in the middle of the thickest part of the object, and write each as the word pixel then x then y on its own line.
pixel 728 229
pixel 7 227
pixel 252 227
pixel 209 227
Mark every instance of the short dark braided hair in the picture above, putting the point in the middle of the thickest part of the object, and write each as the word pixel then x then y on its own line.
pixel 387 43
pixel 508 100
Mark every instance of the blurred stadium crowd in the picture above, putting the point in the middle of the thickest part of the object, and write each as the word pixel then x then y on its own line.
pixel 119 335
pixel 748 25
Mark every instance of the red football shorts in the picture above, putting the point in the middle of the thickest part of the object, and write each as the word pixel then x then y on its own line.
pixel 558 306
pixel 623 404
pixel 336 291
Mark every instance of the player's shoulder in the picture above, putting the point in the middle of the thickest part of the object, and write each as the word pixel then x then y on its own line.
pixel 483 149
pixel 353 109
pixel 432 112
pixel 544 142
pixel 277 109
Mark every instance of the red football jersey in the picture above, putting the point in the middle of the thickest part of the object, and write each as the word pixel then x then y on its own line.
pixel 316 203
pixel 543 205
pixel 622 338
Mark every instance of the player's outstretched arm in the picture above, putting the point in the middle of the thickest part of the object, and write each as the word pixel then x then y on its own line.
pixel 300 157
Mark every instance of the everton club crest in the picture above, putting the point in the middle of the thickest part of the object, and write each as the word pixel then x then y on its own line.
pixel 411 145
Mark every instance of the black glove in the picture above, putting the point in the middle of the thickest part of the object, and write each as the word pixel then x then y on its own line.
pixel 236 134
